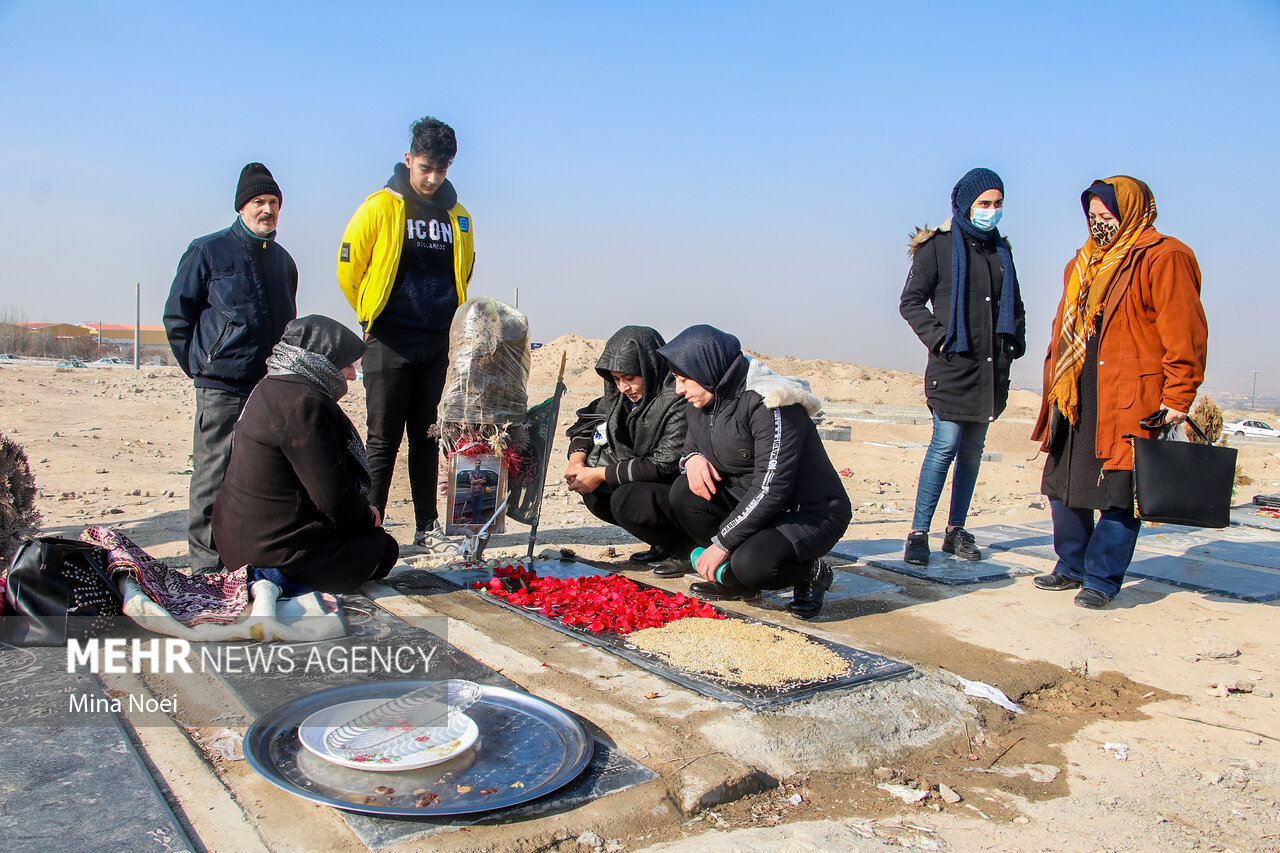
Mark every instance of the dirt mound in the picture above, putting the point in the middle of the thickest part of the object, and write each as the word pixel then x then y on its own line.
pixel 833 381
pixel 581 355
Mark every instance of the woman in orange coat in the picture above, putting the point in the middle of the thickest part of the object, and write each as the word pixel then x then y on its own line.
pixel 1129 339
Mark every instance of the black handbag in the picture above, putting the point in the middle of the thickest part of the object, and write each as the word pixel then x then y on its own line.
pixel 56 590
pixel 1182 482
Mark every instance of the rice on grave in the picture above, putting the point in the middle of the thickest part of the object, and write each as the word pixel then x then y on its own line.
pixel 741 652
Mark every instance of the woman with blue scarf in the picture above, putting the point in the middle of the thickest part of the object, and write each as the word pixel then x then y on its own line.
pixel 962 300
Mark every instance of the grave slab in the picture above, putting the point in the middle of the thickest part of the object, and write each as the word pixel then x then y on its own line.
pixel 863 666
pixel 1020 540
pixel 608 772
pixel 80 761
pixel 942 568
pixel 1225 579
pixel 1262 554
pixel 1247 516
pixel 846 585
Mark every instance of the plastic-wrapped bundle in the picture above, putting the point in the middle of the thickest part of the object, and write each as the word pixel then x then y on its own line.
pixel 488 374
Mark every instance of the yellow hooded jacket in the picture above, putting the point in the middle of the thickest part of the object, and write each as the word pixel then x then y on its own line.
pixel 370 253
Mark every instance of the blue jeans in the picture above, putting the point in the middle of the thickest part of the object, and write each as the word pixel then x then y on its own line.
pixel 1095 552
pixel 959 440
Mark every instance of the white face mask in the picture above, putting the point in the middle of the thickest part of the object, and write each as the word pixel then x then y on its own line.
pixel 986 218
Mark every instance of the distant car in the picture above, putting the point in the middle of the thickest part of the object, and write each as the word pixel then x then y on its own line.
pixel 4 356
pixel 111 359
pixel 1261 429
pixel 533 347
pixel 72 363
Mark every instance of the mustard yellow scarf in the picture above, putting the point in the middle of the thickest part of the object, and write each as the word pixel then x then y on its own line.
pixel 1087 289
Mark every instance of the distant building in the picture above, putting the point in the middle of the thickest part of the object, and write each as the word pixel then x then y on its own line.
pixel 57 330
pixel 109 332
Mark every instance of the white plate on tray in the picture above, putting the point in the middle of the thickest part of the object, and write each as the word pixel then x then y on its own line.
pixel 313 730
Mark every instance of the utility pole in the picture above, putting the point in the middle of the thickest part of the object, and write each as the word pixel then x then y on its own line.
pixel 137 324
pixel 1254 399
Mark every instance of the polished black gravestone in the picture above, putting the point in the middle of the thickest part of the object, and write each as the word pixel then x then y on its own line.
pixel 1018 540
pixel 1259 550
pixel 942 568
pixel 863 666
pixel 609 771
pixel 1215 562
pixel 71 779
pixel 1229 580
pixel 1247 515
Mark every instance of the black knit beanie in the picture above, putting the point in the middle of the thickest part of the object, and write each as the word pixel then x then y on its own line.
pixel 256 180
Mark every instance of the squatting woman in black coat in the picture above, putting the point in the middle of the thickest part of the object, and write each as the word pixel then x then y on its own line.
pixel 758 490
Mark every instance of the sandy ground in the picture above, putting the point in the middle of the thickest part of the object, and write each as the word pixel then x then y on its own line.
pixel 1201 772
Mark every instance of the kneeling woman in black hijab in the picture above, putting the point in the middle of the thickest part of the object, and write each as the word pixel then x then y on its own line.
pixel 295 493
pixel 758 490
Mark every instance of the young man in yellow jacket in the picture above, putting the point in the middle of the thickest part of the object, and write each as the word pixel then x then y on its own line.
pixel 404 265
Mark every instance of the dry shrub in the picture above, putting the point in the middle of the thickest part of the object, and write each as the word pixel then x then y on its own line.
pixel 1208 417
pixel 19 518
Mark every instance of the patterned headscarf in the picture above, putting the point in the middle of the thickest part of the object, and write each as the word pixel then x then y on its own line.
pixel 1088 286
pixel 310 348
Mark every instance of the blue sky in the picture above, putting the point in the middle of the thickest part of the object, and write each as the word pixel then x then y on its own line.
pixel 753 165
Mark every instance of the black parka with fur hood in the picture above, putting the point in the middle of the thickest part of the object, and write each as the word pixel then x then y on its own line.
pixel 961 386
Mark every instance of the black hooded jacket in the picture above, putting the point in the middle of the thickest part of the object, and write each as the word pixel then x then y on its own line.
pixel 758 433
pixel 644 439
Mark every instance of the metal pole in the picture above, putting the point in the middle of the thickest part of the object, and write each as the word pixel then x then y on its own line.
pixel 1254 398
pixel 546 452
pixel 137 325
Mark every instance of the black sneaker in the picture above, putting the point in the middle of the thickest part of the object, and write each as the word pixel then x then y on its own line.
pixel 1092 599
pixel 673 567
pixel 1055 581
pixel 806 601
pixel 959 543
pixel 654 554
pixel 711 591
pixel 917 551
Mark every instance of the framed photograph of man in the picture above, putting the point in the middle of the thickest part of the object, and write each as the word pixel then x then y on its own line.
pixel 477 486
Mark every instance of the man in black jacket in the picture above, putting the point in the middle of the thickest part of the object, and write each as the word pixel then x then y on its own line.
pixel 233 295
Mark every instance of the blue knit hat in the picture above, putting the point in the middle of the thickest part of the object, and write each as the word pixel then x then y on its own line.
pixel 974 183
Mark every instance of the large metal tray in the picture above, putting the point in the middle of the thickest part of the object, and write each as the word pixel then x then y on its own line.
pixel 527 748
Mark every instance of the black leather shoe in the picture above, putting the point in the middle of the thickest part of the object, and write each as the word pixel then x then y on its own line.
pixel 959 543
pixel 710 591
pixel 674 567
pixel 917 550
pixel 1092 599
pixel 1055 581
pixel 806 602
pixel 654 554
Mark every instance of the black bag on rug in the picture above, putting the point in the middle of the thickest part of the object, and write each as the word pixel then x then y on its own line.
pixel 1182 482
pixel 58 589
